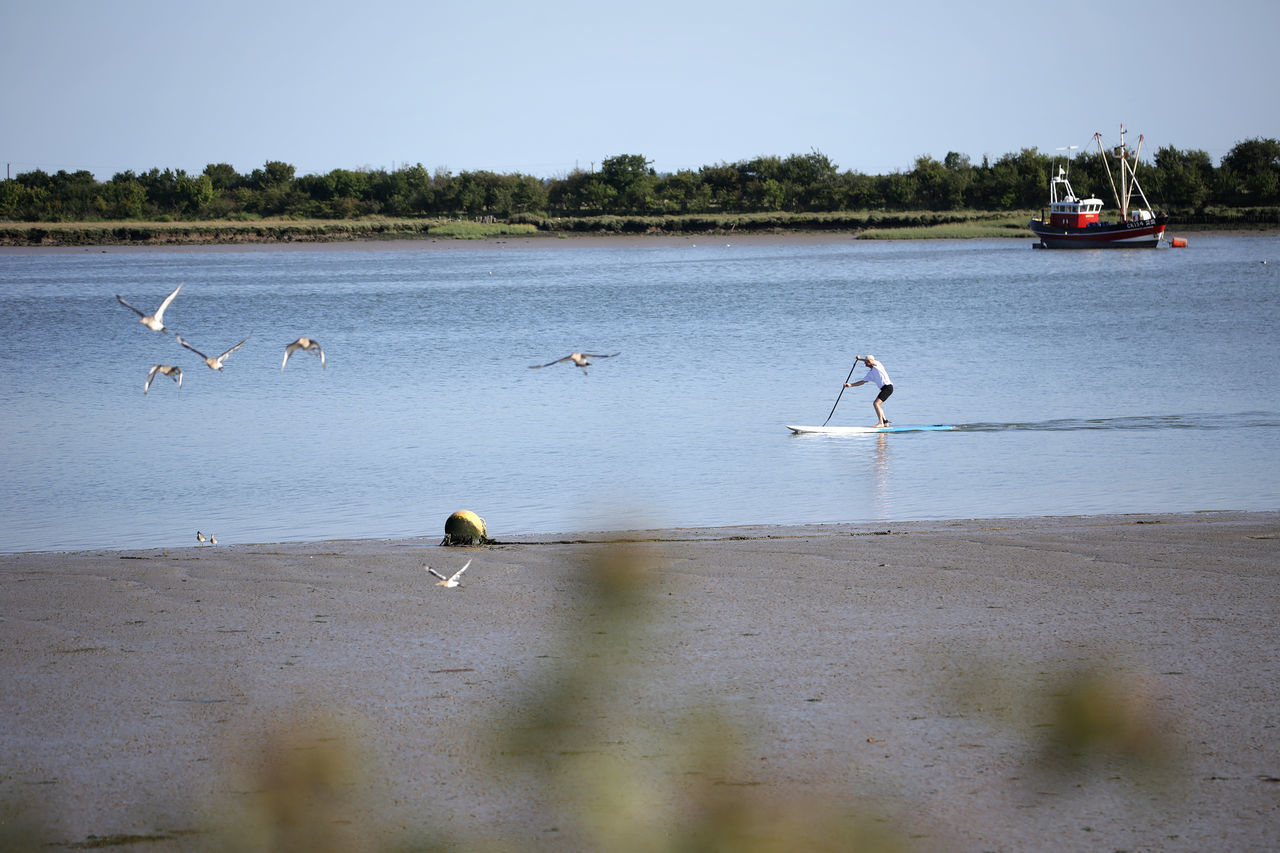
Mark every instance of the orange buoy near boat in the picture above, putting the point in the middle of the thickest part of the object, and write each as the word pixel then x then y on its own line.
pixel 1178 243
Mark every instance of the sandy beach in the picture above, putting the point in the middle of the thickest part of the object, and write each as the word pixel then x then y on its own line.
pixel 1079 683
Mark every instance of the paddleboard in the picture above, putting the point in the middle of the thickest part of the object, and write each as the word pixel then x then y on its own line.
pixel 862 430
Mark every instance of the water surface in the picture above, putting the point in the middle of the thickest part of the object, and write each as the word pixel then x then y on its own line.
pixel 1082 382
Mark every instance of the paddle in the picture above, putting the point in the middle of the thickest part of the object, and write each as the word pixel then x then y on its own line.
pixel 841 394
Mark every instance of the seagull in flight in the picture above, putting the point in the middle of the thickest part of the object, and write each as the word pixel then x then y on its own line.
pixel 578 358
pixel 311 345
pixel 214 363
pixel 155 321
pixel 452 581
pixel 174 373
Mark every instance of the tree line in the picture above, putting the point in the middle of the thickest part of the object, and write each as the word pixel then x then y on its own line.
pixel 1174 180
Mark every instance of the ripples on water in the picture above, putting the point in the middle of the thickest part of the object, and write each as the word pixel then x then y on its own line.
pixel 1085 382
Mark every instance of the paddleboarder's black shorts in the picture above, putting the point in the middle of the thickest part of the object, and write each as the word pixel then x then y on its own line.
pixel 884 393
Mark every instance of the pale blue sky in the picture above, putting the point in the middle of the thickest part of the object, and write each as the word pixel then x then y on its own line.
pixel 544 87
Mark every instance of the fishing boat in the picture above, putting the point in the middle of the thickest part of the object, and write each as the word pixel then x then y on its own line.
pixel 1076 223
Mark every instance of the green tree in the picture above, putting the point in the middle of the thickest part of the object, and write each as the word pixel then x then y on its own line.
pixel 273 175
pixel 682 192
pixel 599 196
pixel 810 181
pixel 22 199
pixel 859 192
pixel 937 186
pixel 631 179
pixel 1251 172
pixel 899 191
pixel 725 183
pixel 1183 178
pixel 528 194
pixel 224 177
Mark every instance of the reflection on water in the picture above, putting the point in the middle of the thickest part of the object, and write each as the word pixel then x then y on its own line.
pixel 1069 371
pixel 881 476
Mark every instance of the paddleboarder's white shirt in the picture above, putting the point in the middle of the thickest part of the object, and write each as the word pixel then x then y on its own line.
pixel 878 376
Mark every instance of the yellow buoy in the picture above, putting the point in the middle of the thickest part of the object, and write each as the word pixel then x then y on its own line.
pixel 464 527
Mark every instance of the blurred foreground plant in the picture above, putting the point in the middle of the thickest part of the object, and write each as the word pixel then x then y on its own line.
pixel 575 744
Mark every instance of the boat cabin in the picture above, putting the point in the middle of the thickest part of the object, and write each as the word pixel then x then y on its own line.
pixel 1074 213
pixel 1067 211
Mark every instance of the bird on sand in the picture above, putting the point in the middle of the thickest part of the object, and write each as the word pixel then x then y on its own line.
pixel 214 363
pixel 201 538
pixel 451 581
pixel 213 540
pixel 174 373
pixel 155 321
pixel 311 345
pixel 578 358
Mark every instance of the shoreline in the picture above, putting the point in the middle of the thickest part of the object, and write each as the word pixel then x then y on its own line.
pixel 899 680
pixel 558 240
pixel 695 533
pixel 549 241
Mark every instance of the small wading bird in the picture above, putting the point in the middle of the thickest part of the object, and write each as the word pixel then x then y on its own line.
pixel 453 581
pixel 155 321
pixel 174 373
pixel 200 537
pixel 578 358
pixel 214 363
pixel 311 345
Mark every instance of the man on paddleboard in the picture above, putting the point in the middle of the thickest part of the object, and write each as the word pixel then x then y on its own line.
pixel 877 375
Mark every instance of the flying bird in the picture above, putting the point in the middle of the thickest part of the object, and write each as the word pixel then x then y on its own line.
pixel 174 373
pixel 155 321
pixel 452 581
pixel 578 358
pixel 214 363
pixel 311 345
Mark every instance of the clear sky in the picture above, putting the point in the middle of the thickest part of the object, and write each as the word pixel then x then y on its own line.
pixel 543 87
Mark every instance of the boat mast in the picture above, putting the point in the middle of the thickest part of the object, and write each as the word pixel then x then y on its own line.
pixel 1098 138
pixel 1122 154
pixel 1128 175
pixel 1133 173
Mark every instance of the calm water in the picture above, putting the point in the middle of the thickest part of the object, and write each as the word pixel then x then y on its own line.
pixel 1084 382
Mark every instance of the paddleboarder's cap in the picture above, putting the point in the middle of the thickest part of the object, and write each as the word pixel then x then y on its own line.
pixel 869 359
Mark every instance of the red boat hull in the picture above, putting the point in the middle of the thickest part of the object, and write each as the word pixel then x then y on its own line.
pixel 1145 235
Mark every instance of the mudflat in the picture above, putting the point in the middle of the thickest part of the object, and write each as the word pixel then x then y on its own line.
pixel 1079 683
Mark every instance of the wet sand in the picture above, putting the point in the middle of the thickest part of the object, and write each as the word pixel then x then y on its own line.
pixel 910 679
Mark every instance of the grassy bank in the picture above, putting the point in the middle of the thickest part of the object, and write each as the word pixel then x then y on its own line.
pixel 260 231
pixel 875 225
pixel 870 223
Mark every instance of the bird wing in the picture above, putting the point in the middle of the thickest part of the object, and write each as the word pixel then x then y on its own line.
pixel 233 349
pixel 288 351
pixel 549 363
pixel 319 352
pixel 178 370
pixel 130 307
pixel 459 572
pixel 435 573
pixel 159 315
pixel 598 355
pixel 190 347
pixel 151 374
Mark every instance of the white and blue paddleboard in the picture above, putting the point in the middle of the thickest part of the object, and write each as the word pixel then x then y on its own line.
pixel 862 430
